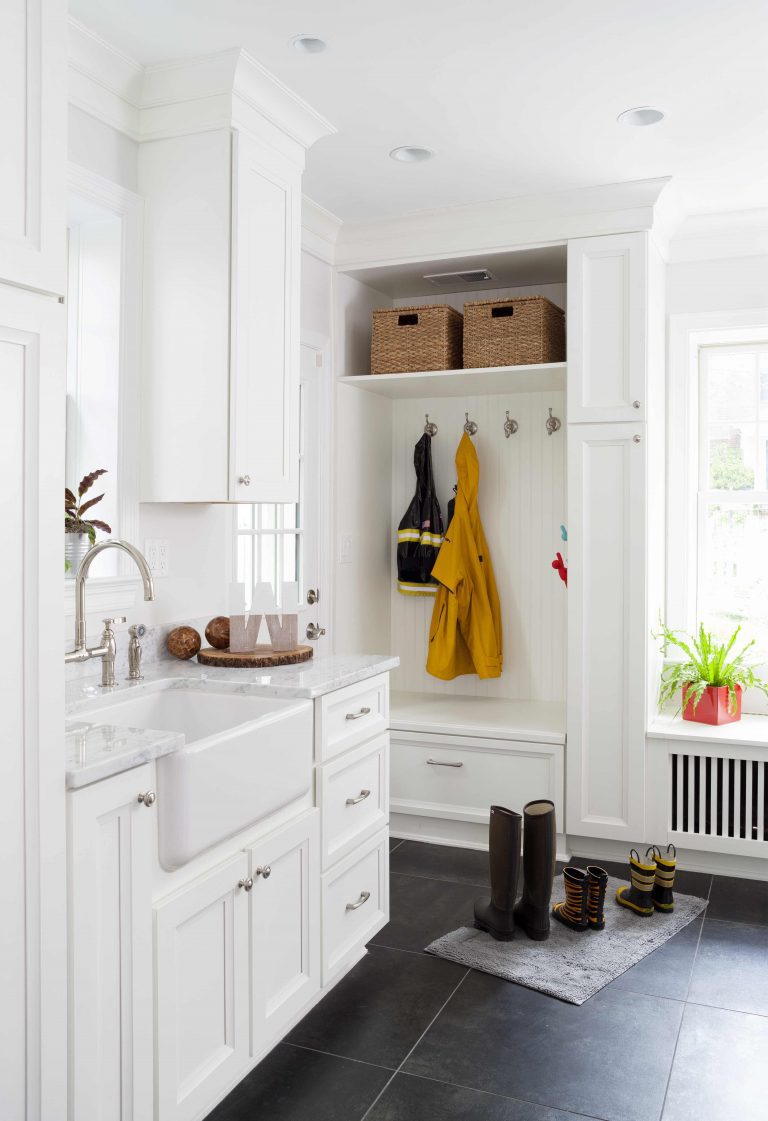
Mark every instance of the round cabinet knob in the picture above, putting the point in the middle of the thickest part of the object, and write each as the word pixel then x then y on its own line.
pixel 246 885
pixel 148 798
pixel 635 404
pixel 244 480
pixel 636 439
pixel 265 872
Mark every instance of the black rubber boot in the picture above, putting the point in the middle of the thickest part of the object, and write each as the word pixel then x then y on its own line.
pixel 637 894
pixel 572 912
pixel 496 914
pixel 664 880
pixel 532 910
pixel 597 881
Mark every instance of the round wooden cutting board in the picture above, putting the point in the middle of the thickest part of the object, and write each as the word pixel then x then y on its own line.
pixel 263 657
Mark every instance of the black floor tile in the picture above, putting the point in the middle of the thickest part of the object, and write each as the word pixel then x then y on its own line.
pixel 735 900
pixel 379 1010
pixel 441 862
pixel 667 971
pixel 291 1084
pixel 394 842
pixel 731 969
pixel 421 910
pixel 720 1071
pixel 512 1041
pixel 408 1098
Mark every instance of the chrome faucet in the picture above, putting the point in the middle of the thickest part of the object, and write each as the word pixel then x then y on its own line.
pixel 106 649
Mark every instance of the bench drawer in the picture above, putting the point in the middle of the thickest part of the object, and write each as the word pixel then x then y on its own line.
pixel 350 716
pixel 354 798
pixel 355 903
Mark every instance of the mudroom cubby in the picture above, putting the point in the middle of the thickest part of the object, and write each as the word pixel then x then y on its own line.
pixel 570 457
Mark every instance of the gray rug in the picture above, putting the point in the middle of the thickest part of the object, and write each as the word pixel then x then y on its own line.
pixel 570 965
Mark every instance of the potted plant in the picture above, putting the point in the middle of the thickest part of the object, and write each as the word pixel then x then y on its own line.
pixel 711 679
pixel 80 532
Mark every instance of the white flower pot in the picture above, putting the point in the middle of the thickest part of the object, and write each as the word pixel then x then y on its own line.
pixel 76 545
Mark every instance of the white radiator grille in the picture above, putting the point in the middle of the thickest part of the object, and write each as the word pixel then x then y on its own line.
pixel 720 797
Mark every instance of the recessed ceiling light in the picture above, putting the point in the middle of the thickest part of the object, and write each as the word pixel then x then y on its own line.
pixel 640 117
pixel 308 44
pixel 411 154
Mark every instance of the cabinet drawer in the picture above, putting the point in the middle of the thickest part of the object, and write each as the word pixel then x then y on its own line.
pixel 461 777
pixel 354 798
pixel 349 716
pixel 355 903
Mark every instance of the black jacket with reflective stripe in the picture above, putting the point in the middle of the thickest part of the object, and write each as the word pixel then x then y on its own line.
pixel 420 533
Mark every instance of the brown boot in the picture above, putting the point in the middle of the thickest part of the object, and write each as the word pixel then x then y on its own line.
pixel 495 914
pixel 573 911
pixel 597 881
pixel 532 910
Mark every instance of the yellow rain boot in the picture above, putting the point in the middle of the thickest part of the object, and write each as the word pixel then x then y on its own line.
pixel 637 895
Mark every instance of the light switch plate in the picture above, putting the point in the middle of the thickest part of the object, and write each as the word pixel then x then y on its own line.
pixel 345 548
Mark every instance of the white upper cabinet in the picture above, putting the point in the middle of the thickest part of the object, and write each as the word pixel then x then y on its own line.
pixel 266 245
pixel 33 104
pixel 607 327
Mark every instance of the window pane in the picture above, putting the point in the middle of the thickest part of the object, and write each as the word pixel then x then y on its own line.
pixel 244 516
pixel 268 516
pixel 267 546
pixel 244 573
pixel 732 451
pixel 730 385
pixel 290 558
pixel 289 516
pixel 734 574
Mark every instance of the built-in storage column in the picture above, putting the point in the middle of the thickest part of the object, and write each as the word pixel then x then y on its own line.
pixel 615 441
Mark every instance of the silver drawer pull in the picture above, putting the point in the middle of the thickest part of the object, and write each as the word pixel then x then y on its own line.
pixel 360 798
pixel 437 763
pixel 356 715
pixel 364 897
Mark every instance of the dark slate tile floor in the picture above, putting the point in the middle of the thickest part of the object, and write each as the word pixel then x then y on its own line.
pixel 683 1035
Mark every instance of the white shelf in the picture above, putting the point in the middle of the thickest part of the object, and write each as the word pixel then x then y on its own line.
pixel 485 381
pixel 486 717
pixel 750 731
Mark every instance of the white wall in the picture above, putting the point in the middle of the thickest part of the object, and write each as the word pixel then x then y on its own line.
pixel 102 149
pixel 717 285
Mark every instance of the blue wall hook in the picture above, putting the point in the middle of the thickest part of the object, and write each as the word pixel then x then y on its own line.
pixel 563 533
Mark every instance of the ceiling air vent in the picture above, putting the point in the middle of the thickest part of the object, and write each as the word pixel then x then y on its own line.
pixel 450 279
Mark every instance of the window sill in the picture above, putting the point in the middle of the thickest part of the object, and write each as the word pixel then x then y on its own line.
pixel 750 731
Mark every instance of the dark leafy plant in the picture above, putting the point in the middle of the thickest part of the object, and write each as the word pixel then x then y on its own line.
pixel 707 662
pixel 75 508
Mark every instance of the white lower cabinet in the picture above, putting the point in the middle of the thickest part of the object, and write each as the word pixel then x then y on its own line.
pixel 355 904
pixel 285 927
pixel 202 985
pixel 110 949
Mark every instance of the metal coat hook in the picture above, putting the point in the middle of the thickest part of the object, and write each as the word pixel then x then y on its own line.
pixel 430 429
pixel 470 427
pixel 510 426
pixel 553 424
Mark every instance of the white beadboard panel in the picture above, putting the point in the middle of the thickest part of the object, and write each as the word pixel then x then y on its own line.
pixel 522 504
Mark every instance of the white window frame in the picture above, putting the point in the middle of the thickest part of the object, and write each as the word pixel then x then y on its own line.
pixel 687 335
pixel 119 592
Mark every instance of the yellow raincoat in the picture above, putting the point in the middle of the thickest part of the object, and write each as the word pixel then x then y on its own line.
pixel 465 634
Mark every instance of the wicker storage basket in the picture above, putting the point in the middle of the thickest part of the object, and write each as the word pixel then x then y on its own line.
pixel 408 339
pixel 516 332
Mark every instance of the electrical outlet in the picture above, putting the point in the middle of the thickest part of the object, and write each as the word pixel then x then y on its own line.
pixel 157 554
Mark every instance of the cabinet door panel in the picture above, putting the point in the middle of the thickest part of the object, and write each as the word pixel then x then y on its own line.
pixel 606 630
pixel 265 338
pixel 111 952
pixel 285 928
pixel 201 959
pixel 33 104
pixel 607 348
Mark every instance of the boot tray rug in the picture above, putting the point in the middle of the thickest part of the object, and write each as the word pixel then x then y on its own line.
pixel 571 965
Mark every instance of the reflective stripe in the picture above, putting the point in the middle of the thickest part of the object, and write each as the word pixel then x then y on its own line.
pixel 434 539
pixel 417 589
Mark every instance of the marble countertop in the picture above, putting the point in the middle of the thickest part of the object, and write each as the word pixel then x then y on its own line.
pixel 96 750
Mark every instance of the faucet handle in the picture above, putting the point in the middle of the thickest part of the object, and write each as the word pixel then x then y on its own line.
pixel 117 619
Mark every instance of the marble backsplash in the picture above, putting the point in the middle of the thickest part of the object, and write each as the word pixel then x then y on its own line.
pixel 152 646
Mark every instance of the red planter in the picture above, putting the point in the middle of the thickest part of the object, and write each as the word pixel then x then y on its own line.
pixel 713 708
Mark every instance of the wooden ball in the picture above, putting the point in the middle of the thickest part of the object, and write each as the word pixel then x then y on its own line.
pixel 217 632
pixel 183 642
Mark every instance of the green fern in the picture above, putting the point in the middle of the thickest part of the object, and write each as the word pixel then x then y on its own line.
pixel 707 662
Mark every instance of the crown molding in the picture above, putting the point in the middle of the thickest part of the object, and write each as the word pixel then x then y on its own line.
pixel 706 237
pixel 229 88
pixel 500 225
pixel 319 230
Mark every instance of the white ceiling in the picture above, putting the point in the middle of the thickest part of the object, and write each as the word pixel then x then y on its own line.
pixel 515 98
